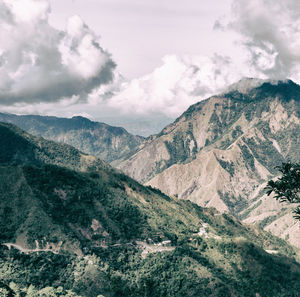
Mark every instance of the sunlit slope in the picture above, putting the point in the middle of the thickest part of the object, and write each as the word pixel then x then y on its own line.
pixel 221 152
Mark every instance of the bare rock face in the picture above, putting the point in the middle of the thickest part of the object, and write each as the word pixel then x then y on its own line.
pixel 221 152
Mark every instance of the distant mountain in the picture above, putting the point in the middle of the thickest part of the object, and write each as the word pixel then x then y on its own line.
pixel 144 125
pixel 106 142
pixel 222 150
pixel 91 229
pixel 19 147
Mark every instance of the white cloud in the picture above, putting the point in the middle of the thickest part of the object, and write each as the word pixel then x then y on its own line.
pixel 28 10
pixel 39 63
pixel 43 108
pixel 79 50
pixel 176 84
pixel 270 31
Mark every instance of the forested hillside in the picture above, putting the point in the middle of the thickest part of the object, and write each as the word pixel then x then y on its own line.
pixel 104 141
pixel 91 230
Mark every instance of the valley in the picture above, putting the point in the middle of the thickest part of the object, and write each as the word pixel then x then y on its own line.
pixel 87 229
pixel 149 148
pixel 72 222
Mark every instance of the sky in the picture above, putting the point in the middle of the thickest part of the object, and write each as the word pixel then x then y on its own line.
pixel 140 33
pixel 124 61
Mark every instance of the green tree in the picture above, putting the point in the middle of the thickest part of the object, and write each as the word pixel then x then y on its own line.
pixel 287 187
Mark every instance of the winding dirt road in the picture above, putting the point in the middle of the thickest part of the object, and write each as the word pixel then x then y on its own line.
pixel 27 251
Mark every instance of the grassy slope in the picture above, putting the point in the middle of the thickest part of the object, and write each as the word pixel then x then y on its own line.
pixel 106 142
pixel 49 203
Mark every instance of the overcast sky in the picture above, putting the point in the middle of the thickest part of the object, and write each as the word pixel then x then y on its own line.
pixel 131 58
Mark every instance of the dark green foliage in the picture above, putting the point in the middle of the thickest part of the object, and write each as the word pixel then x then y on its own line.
pixel 159 192
pixel 225 144
pixel 179 147
pixel 235 204
pixel 104 141
pixel 216 126
pixel 192 110
pixel 287 90
pixel 17 148
pixel 85 199
pixel 289 142
pixel 248 157
pixel 264 152
pixel 266 221
pixel 228 166
pixel 236 132
pixel 98 216
pixel 221 125
pixel 190 270
pixel 207 142
pixel 245 214
pixel 197 267
pixel 287 187
pixel 6 291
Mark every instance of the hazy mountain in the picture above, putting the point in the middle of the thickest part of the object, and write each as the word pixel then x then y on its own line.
pixel 96 231
pixel 106 142
pixel 221 151
pixel 144 125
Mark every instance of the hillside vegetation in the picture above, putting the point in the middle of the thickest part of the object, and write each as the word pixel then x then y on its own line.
pixel 104 141
pixel 90 230
pixel 222 151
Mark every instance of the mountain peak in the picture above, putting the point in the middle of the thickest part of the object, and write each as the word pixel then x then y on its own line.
pixel 255 88
pixel 78 117
pixel 19 147
pixel 81 119
pixel 246 84
pixel 231 142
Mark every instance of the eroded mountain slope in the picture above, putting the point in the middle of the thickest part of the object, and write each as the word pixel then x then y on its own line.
pixel 95 231
pixel 221 152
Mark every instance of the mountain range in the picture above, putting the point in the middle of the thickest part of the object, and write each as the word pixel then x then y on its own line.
pixel 218 153
pixel 221 152
pixel 104 141
pixel 105 233
pixel 71 225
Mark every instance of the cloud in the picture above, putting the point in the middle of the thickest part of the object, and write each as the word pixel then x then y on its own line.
pixel 49 71
pixel 270 32
pixel 179 82
pixel 39 63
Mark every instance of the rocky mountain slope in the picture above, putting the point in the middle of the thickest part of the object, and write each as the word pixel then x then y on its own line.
pixel 88 230
pixel 106 142
pixel 221 152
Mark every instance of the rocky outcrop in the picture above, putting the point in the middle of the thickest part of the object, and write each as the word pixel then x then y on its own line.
pixel 222 151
